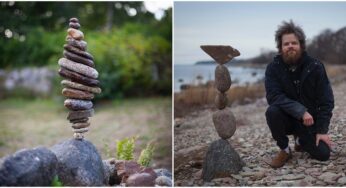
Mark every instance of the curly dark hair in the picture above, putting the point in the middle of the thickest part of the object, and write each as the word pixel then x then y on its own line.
pixel 289 28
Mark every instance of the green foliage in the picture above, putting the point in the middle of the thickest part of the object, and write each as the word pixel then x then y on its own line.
pixel 56 182
pixel 125 151
pixel 125 148
pixel 132 54
pixel 146 155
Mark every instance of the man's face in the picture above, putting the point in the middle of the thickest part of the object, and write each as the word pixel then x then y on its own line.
pixel 291 50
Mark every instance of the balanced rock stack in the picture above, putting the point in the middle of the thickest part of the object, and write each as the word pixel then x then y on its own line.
pixel 221 159
pixel 78 69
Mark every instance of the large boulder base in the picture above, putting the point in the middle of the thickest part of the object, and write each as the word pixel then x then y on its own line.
pixel 221 161
pixel 28 167
pixel 79 163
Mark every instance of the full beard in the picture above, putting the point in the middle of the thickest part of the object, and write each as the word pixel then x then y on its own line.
pixel 291 56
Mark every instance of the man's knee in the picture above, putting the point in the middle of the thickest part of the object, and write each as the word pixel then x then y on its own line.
pixel 273 112
pixel 323 153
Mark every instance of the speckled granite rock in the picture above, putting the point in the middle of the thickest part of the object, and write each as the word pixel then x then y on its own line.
pixel 76 77
pixel 75 104
pixel 79 114
pixel 77 94
pixel 75 85
pixel 79 68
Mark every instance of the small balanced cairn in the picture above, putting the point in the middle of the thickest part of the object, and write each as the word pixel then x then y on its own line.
pixel 221 159
pixel 78 69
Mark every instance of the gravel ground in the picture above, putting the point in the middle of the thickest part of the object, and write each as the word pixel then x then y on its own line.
pixel 255 145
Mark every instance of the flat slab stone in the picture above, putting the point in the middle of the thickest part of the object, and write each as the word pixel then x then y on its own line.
pixel 74 25
pixel 222 78
pixel 82 120
pixel 81 130
pixel 75 33
pixel 80 44
pixel 220 53
pixel 224 122
pixel 221 161
pixel 78 58
pixel 77 94
pixel 28 167
pixel 78 86
pixel 77 51
pixel 75 104
pixel 79 68
pixel 80 114
pixel 80 125
pixel 78 77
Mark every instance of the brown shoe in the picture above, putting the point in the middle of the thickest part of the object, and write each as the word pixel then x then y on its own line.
pixel 280 159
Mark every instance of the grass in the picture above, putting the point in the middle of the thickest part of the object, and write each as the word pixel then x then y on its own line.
pixel 28 123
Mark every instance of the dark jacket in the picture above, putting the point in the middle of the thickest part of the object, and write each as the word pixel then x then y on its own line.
pixel 314 93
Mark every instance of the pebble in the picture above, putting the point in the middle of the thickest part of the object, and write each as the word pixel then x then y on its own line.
pixel 80 114
pixel 163 181
pixel 82 130
pixel 75 85
pixel 78 59
pixel 80 125
pixel 79 68
pixel 222 78
pixel 78 136
pixel 74 20
pixel 221 100
pixel 75 104
pixel 77 94
pixel 75 33
pixel 77 51
pixel 342 181
pixel 76 77
pixel 82 45
pixel 82 120
pixel 224 122
pixel 74 25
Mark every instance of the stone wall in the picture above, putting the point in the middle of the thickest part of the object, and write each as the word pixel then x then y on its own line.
pixel 35 81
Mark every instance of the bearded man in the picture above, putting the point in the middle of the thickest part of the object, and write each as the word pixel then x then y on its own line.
pixel 300 98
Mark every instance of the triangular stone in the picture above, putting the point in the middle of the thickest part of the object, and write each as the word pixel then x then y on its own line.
pixel 221 54
pixel 221 161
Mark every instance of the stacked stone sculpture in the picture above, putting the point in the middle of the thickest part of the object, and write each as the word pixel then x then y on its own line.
pixel 78 68
pixel 221 159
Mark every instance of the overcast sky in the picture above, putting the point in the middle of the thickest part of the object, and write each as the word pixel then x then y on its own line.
pixel 247 26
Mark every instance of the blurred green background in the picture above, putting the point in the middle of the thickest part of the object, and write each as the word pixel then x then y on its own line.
pixel 132 47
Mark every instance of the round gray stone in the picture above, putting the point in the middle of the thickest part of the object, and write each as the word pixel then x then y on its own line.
pixel 221 100
pixel 76 104
pixel 79 163
pixel 28 167
pixel 222 78
pixel 140 180
pixel 224 122
pixel 163 181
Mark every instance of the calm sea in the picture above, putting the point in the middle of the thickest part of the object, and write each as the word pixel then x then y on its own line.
pixel 187 74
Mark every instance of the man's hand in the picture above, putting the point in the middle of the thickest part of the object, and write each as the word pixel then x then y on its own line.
pixel 308 120
pixel 325 138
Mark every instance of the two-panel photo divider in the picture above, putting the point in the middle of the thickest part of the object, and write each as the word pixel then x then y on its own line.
pixel 172 93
